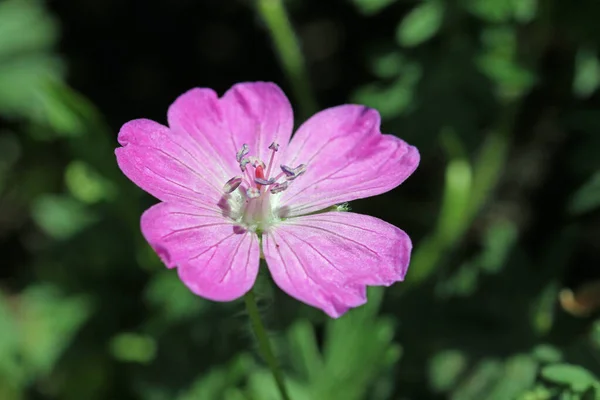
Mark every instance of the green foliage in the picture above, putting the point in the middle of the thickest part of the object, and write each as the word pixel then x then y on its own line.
pixel 27 34
pixel 370 7
pixel 501 99
pixel 421 24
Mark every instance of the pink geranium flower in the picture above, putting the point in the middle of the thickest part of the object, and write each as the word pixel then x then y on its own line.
pixel 234 188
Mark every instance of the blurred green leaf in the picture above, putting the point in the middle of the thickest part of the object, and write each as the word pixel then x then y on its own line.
pixel 392 99
pixel 587 73
pixel 86 185
pixel 167 293
pixel 457 191
pixel 525 10
pixel 10 366
pixel 445 368
pixel 543 309
pixel 499 239
pixel 421 23
pixel 547 354
pixel 47 323
pixel 133 347
pixel 26 35
pixel 219 381
pixel 262 386
pixel 348 374
pixel 25 27
pixel 480 381
pixel 576 377
pixel 60 217
pixel 370 7
pixel 519 375
pixel 22 83
pixel 304 350
pixel 491 10
pixel 388 65
pixel 587 197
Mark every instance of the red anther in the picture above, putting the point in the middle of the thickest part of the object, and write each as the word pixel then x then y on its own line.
pixel 259 173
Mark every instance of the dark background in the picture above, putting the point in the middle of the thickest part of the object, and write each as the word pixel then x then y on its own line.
pixel 500 300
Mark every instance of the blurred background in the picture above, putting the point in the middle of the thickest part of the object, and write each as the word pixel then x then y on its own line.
pixel 501 298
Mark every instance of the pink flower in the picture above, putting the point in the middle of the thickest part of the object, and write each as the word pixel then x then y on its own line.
pixel 234 188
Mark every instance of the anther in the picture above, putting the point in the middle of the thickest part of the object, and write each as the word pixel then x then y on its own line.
pixel 241 153
pixel 274 146
pixel 279 187
pixel 243 164
pixel 253 192
pixel 262 181
pixel 232 184
pixel 293 173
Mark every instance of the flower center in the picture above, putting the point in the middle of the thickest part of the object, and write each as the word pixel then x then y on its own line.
pixel 256 189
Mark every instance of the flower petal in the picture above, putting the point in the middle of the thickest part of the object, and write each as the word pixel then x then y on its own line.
pixel 347 158
pixel 164 164
pixel 326 260
pixel 255 114
pixel 215 258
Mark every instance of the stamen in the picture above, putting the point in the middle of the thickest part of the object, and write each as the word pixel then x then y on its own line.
pixel 232 184
pixel 243 164
pixel 256 162
pixel 262 181
pixel 274 146
pixel 293 173
pixel 242 152
pixel 253 192
pixel 279 187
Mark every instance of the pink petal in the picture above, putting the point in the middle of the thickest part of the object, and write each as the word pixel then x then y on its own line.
pixel 326 260
pixel 166 165
pixel 347 158
pixel 215 258
pixel 255 114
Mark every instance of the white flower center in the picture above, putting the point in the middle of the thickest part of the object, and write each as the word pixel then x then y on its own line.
pixel 250 198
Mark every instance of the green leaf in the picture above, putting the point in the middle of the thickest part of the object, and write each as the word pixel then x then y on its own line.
pixel 476 386
pixel 133 347
pixel 391 100
pixel 304 350
pixel 525 10
pixel 348 374
pixel 24 28
pixel 546 353
pixel 587 73
pixel 26 36
pixel 491 10
pixel 370 7
pixel 10 366
pixel 60 217
pixel 576 377
pixel 174 301
pixel 217 383
pixel 445 368
pixel 587 197
pixel 388 65
pixel 519 375
pixel 86 185
pixel 421 24
pixel 47 323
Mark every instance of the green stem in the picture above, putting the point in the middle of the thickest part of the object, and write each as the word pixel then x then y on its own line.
pixel 263 343
pixel 288 49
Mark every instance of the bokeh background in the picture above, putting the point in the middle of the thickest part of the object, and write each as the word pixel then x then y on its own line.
pixel 500 301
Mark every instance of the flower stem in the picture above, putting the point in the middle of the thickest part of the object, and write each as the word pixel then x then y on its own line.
pixel 288 49
pixel 263 343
